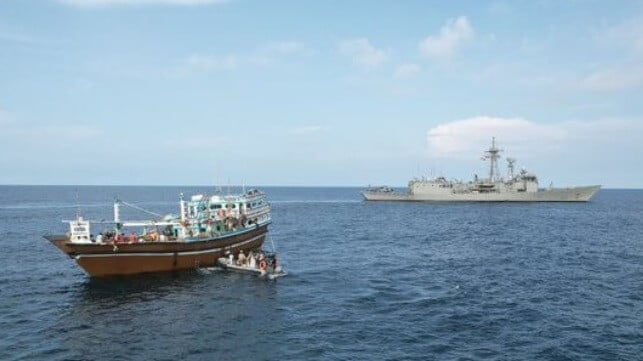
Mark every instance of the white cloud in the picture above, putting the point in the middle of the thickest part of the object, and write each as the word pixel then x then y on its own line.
pixel 623 71
pixel 212 62
pixel 272 52
pixel 407 70
pixel 106 3
pixel 264 55
pixel 310 129
pixel 568 152
pixel 466 137
pixel 453 35
pixel 614 79
pixel 471 135
pixel 363 53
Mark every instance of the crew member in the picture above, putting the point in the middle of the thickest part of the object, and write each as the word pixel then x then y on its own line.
pixel 241 259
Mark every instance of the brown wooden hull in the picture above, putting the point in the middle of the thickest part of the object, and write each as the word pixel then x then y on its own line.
pixel 103 260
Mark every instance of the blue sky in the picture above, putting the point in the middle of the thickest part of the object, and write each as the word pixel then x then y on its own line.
pixel 318 92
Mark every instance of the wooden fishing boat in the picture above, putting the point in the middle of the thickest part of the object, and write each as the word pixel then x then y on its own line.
pixel 206 228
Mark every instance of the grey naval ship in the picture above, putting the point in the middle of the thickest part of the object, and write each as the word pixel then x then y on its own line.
pixel 521 187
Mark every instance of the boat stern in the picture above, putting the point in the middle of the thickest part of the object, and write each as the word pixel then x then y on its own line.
pixel 589 192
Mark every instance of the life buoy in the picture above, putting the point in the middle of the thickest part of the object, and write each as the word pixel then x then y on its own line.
pixel 262 265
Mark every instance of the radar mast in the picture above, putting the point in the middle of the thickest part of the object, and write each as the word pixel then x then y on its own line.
pixel 510 167
pixel 492 154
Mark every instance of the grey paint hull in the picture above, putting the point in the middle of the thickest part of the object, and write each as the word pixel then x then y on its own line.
pixel 575 194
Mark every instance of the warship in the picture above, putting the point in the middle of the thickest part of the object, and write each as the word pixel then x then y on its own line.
pixel 521 187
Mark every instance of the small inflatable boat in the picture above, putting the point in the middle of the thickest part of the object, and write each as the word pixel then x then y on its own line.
pixel 262 268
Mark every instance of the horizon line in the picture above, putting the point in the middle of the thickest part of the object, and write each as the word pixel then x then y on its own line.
pixel 233 185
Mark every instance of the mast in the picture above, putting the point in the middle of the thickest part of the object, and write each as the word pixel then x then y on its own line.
pixel 117 214
pixel 492 154
pixel 182 208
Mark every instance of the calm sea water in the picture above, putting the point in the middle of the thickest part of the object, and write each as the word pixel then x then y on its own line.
pixel 368 281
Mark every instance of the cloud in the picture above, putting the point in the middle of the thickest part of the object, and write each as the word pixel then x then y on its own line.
pixel 363 53
pixel 614 79
pixel 212 62
pixel 471 135
pixel 264 55
pixel 407 70
pixel 310 129
pixel 453 35
pixel 272 52
pixel 623 70
pixel 462 138
pixel 107 3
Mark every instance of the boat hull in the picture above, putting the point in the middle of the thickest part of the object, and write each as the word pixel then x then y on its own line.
pixel 105 260
pixel 575 194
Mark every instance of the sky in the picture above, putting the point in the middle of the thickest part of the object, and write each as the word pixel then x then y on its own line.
pixel 318 93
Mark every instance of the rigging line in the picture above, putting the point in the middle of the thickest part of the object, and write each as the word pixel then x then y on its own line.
pixel 274 249
pixel 141 209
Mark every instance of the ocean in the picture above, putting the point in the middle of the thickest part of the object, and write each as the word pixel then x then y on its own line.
pixel 367 281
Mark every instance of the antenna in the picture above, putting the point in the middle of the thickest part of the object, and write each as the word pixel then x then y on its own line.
pixel 217 188
pixel 510 167
pixel 492 154
pixel 77 205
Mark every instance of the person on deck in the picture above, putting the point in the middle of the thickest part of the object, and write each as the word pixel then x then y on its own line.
pixel 241 259
pixel 132 237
